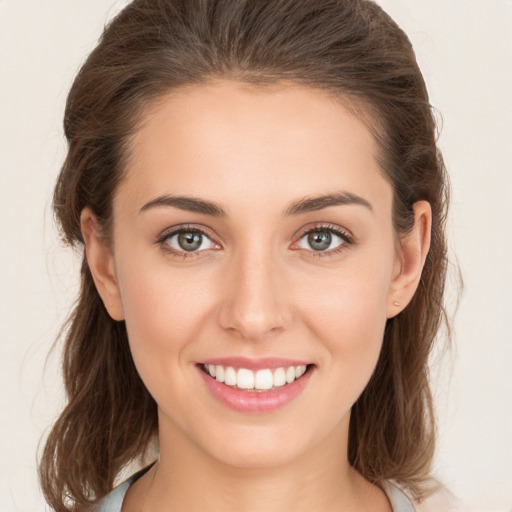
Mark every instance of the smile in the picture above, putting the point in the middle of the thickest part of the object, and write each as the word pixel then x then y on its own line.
pixel 255 386
pixel 264 379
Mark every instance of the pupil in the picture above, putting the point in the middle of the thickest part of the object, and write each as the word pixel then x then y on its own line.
pixel 319 241
pixel 190 241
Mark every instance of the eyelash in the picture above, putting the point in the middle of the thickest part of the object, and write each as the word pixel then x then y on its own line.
pixel 344 235
pixel 162 239
pixel 347 238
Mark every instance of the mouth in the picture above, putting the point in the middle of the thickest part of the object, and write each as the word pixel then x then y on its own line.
pixel 255 381
pixel 261 385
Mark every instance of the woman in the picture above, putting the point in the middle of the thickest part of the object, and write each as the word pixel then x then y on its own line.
pixel 262 205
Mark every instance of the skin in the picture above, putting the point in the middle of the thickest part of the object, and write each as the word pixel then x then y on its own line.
pixel 257 289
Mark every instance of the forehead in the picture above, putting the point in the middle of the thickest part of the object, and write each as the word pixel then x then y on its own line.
pixel 233 141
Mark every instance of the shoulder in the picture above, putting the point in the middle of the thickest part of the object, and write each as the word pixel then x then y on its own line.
pixel 113 501
pixel 441 500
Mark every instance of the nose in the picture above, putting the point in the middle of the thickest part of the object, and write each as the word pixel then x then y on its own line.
pixel 254 304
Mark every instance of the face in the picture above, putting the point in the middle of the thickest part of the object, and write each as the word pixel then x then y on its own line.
pixel 253 244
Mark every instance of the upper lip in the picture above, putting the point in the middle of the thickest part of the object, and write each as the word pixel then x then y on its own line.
pixel 255 364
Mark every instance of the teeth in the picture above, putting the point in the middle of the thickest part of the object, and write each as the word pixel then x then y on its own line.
pixel 279 377
pixel 245 379
pixel 230 376
pixel 264 379
pixel 219 373
pixel 290 374
pixel 261 380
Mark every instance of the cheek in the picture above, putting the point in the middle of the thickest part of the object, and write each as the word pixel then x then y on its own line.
pixel 164 316
pixel 350 302
pixel 348 313
pixel 164 312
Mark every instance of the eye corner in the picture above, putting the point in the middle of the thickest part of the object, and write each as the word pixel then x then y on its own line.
pixel 333 232
pixel 200 241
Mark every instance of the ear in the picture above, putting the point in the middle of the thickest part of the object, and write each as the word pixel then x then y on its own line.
pixel 414 247
pixel 101 264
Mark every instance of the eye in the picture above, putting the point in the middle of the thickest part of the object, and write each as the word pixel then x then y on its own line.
pixel 324 239
pixel 188 240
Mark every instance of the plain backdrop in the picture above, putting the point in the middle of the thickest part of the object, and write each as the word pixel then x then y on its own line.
pixel 464 48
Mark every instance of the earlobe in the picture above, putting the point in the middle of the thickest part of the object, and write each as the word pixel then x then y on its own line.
pixel 101 264
pixel 414 247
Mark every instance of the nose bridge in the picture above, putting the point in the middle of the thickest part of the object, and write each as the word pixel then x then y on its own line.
pixel 254 301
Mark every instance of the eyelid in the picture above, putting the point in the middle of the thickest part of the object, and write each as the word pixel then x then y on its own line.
pixel 343 233
pixel 181 228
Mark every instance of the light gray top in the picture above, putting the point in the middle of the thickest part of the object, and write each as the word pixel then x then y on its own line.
pixel 114 501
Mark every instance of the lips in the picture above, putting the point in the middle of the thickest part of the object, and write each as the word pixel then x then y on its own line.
pixel 247 385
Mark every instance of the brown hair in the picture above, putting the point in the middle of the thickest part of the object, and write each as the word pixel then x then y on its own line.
pixel 353 50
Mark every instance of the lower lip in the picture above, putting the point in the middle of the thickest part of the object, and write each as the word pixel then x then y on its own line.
pixel 256 401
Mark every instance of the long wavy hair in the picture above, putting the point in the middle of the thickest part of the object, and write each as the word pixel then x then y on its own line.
pixel 349 48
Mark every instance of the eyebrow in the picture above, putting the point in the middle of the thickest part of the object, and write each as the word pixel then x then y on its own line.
pixel 314 203
pixel 190 204
pixel 305 205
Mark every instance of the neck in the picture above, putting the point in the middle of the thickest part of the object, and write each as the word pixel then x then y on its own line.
pixel 186 478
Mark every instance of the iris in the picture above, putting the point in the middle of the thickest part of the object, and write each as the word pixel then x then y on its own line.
pixel 319 240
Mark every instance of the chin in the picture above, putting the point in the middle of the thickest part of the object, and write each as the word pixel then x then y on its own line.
pixel 257 457
pixel 262 446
